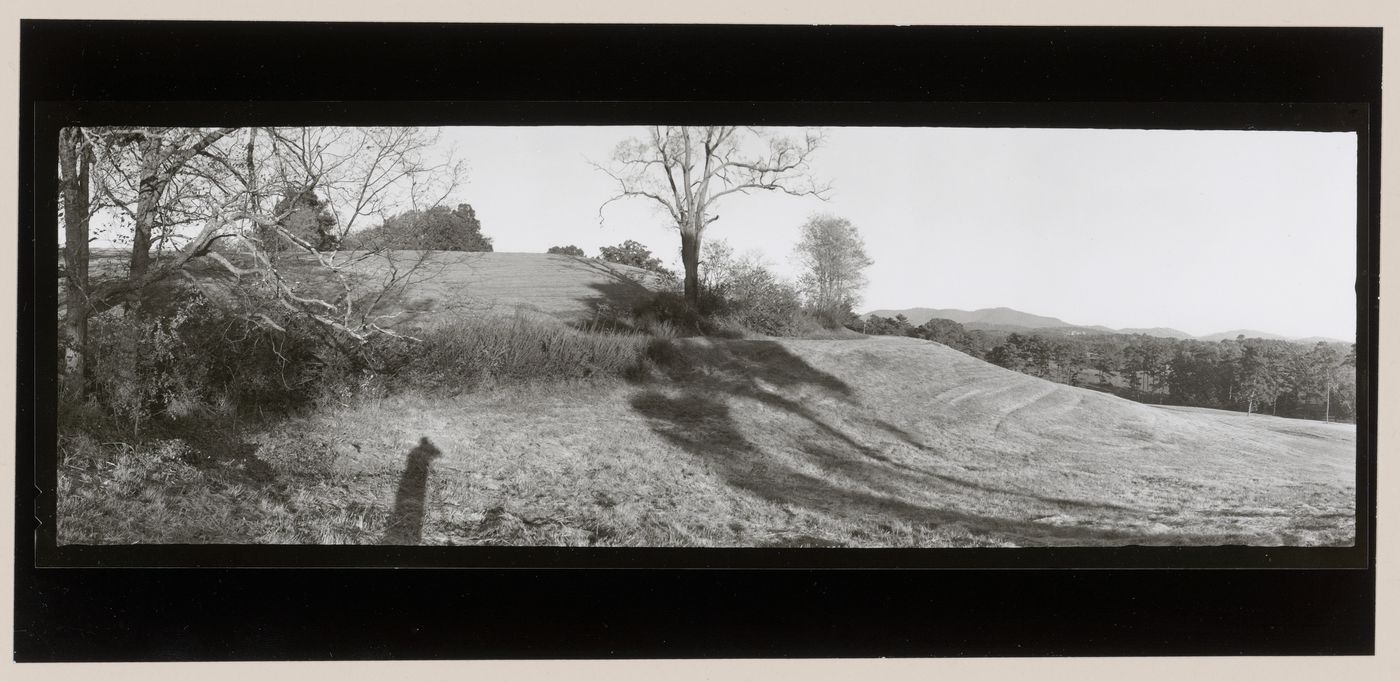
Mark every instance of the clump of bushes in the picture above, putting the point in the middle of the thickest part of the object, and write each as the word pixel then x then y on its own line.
pixel 739 296
pixel 753 297
pixel 200 360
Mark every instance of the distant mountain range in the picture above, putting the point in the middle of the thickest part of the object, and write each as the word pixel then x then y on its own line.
pixel 1008 319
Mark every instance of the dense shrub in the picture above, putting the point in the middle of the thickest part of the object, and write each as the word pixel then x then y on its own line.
pixel 669 308
pixel 760 302
pixel 746 293
pixel 201 360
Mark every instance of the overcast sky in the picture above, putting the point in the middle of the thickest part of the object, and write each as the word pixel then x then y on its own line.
pixel 1203 231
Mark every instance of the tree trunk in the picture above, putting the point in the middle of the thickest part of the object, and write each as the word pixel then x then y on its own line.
pixel 75 160
pixel 690 257
pixel 148 200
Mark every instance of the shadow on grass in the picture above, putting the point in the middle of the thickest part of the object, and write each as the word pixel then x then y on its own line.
pixel 693 411
pixel 616 293
pixel 405 525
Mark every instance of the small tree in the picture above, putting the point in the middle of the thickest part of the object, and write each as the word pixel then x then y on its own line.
pixel 717 263
pixel 569 250
pixel 833 257
pixel 634 254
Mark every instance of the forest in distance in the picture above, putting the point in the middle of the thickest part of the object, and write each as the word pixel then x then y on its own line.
pixel 1249 374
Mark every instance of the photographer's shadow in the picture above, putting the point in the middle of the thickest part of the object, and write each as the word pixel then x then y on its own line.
pixel 405 524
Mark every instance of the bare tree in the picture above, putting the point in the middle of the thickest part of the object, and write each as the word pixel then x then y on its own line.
pixel 187 196
pixel 687 170
pixel 833 259
pixel 361 172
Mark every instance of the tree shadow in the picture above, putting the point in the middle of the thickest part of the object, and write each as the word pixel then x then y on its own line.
pixel 617 292
pixel 405 524
pixel 693 411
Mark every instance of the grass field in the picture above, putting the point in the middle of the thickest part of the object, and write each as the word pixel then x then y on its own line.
pixel 755 442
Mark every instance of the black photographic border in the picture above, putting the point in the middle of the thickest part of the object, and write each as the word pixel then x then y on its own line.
pixel 51 117
pixel 1084 78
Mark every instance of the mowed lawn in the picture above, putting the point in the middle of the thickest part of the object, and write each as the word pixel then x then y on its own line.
pixel 877 442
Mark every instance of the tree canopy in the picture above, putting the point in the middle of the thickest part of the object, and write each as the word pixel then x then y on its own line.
pixel 634 254
pixel 569 250
pixel 437 229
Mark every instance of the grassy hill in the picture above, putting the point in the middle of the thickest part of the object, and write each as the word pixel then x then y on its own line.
pixel 436 286
pixel 564 287
pixel 761 442
pixel 879 441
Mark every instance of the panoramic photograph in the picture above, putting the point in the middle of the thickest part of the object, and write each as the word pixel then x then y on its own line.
pixel 706 336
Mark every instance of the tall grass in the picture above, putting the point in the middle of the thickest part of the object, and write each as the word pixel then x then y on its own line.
pixel 473 352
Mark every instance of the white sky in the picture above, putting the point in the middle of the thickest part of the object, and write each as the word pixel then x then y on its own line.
pixel 1204 231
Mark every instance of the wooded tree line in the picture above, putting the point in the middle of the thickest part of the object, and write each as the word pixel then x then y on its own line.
pixel 1314 381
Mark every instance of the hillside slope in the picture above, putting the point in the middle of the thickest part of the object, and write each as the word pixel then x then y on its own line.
pixel 434 286
pixel 565 287
pixel 873 442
